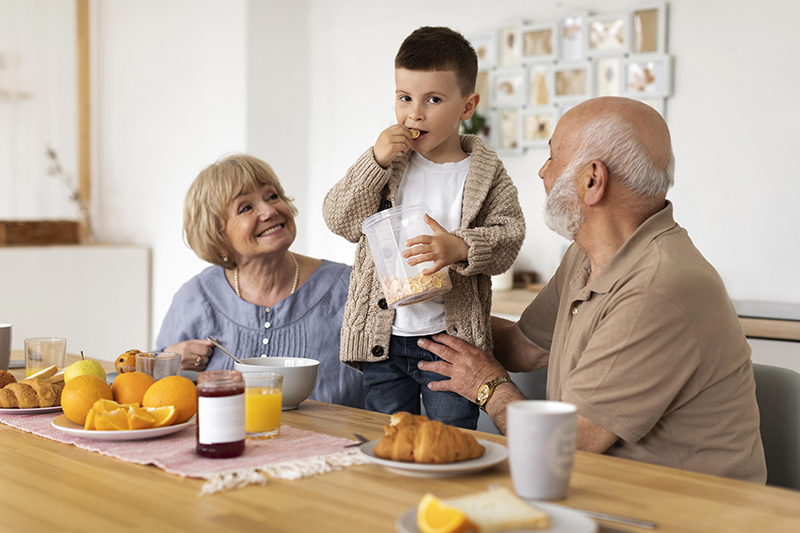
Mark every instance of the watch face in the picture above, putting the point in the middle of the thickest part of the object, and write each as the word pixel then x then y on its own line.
pixel 483 392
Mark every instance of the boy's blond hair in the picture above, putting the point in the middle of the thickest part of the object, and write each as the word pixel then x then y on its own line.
pixel 434 48
pixel 204 212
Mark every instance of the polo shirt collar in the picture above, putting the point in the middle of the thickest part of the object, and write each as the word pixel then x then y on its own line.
pixel 630 252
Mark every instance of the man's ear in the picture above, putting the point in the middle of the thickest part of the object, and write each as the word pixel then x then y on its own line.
pixel 470 105
pixel 594 182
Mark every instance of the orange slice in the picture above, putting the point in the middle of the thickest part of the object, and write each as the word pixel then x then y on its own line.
pixel 90 419
pixel 116 420
pixel 139 418
pixel 163 416
pixel 433 516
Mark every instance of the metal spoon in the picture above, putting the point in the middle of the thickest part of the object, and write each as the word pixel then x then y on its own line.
pixel 218 345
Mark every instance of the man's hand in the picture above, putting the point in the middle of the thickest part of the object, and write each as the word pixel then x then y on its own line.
pixel 443 248
pixel 467 367
pixel 194 353
pixel 392 141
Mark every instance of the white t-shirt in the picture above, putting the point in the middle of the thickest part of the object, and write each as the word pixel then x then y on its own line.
pixel 441 188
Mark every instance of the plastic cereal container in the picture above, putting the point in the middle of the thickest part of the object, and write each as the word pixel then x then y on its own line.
pixel 387 232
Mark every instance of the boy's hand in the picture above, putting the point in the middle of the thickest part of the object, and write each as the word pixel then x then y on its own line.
pixel 442 248
pixel 392 141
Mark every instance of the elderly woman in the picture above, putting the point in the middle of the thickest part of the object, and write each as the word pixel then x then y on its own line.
pixel 258 299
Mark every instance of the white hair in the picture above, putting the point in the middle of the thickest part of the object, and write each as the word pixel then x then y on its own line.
pixel 613 141
pixel 562 209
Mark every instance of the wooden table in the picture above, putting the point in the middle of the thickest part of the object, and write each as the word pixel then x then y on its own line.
pixel 48 486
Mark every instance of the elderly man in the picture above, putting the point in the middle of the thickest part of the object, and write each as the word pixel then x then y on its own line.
pixel 636 327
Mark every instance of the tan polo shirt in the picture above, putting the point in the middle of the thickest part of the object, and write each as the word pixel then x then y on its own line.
pixel 652 350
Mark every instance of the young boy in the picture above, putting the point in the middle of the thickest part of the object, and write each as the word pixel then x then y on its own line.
pixel 474 214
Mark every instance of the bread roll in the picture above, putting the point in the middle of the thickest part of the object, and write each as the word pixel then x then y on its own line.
pixel 29 394
pixel 6 378
pixel 414 438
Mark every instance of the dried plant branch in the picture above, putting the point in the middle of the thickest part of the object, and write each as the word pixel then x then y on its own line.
pixel 56 169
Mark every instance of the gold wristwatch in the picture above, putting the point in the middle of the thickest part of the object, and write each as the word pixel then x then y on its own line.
pixel 487 389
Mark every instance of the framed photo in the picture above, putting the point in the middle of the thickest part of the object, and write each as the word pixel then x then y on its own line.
pixel 540 84
pixel 648 76
pixel 608 76
pixel 509 46
pixel 539 42
pixel 537 125
pixel 509 87
pixel 608 34
pixel 485 46
pixel 649 29
pixel 483 88
pixel 572 82
pixel 507 131
pixel 573 36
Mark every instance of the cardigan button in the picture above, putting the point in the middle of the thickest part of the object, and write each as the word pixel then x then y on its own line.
pixel 377 351
pixel 386 204
pixel 382 303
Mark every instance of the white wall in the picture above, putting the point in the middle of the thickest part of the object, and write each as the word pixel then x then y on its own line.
pixel 169 88
pixel 734 117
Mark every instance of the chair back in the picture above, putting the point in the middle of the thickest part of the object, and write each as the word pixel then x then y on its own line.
pixel 778 397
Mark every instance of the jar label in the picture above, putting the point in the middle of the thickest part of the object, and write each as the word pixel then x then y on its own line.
pixel 220 419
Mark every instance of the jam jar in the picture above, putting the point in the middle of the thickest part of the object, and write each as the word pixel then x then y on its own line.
pixel 220 414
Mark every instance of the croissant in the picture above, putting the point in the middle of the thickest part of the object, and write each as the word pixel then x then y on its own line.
pixel 30 393
pixel 6 378
pixel 414 438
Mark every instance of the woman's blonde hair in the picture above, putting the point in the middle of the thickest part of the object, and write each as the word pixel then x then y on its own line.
pixel 205 209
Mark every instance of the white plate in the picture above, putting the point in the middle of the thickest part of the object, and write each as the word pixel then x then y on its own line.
pixel 62 423
pixel 562 520
pixel 31 411
pixel 494 454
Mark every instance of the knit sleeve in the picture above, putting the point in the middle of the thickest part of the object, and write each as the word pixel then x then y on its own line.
pixel 188 316
pixel 498 232
pixel 355 197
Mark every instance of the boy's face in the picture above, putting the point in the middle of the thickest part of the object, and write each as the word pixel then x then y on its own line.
pixel 431 102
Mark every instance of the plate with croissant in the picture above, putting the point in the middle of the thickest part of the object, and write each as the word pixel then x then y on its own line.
pixel 40 393
pixel 413 445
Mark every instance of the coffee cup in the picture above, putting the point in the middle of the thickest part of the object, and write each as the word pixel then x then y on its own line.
pixel 5 345
pixel 542 436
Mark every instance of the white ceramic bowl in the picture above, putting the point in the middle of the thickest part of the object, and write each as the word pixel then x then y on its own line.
pixel 299 375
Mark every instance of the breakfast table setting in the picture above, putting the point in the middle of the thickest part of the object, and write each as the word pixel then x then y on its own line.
pixel 320 475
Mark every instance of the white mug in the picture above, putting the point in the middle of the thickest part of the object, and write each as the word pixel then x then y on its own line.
pixel 541 446
pixel 5 345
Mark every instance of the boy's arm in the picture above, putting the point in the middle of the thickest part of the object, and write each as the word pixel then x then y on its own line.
pixel 494 245
pixel 355 197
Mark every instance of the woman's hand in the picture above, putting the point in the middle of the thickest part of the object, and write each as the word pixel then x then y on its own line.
pixel 467 367
pixel 443 248
pixel 194 353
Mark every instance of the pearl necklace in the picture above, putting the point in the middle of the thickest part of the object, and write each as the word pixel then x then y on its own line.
pixel 294 285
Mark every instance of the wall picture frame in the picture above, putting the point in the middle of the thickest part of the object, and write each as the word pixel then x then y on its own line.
pixel 608 76
pixel 485 45
pixel 509 46
pixel 648 76
pixel 573 37
pixel 483 88
pixel 539 42
pixel 537 125
pixel 573 81
pixel 541 80
pixel 608 34
pixel 649 28
pixel 507 131
pixel 509 87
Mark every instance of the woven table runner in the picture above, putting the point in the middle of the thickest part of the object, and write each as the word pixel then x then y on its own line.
pixel 295 454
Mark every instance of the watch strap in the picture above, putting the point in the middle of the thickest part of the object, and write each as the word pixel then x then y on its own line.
pixel 491 385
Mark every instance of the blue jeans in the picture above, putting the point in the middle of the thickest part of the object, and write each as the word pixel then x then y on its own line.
pixel 396 384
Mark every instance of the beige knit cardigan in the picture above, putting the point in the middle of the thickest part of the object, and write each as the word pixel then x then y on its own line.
pixel 492 225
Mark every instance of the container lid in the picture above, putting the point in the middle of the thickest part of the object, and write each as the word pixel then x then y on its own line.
pixel 397 211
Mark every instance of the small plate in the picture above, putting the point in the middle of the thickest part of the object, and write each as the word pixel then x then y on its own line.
pixel 62 423
pixel 494 454
pixel 562 520
pixel 31 411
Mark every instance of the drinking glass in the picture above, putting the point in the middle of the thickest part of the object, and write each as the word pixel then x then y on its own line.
pixel 44 352
pixel 263 392
pixel 158 365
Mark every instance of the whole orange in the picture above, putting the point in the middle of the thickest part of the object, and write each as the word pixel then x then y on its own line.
pixel 130 388
pixel 80 394
pixel 173 390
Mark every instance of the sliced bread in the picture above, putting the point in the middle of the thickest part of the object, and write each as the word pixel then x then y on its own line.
pixel 499 510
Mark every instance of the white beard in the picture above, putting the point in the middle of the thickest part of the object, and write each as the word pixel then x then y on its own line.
pixel 562 210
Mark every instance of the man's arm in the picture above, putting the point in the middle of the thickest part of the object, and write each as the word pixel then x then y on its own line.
pixel 515 351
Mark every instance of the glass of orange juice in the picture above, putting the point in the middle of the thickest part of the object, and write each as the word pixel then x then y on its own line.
pixel 262 404
pixel 44 352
